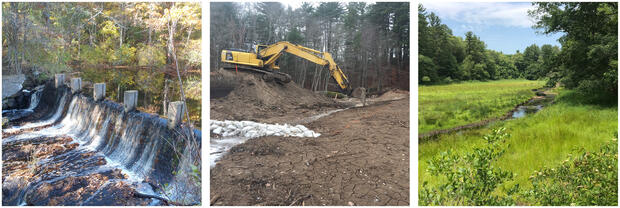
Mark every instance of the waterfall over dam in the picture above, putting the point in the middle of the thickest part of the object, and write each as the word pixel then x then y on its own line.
pixel 74 150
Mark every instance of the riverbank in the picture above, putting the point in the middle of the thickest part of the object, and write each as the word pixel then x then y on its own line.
pixel 539 140
pixel 449 106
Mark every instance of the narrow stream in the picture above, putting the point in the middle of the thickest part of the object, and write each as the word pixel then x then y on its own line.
pixel 532 106
pixel 525 109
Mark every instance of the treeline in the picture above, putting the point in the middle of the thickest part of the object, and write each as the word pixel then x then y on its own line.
pixel 445 58
pixel 128 45
pixel 57 36
pixel 587 60
pixel 370 42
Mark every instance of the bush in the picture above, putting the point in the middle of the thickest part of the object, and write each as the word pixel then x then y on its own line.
pixel 591 178
pixel 472 179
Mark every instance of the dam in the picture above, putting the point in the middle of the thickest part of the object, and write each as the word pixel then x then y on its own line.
pixel 70 149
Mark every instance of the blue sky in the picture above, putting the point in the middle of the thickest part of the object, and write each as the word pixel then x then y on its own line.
pixel 503 26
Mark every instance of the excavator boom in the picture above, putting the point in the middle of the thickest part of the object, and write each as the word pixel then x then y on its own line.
pixel 265 58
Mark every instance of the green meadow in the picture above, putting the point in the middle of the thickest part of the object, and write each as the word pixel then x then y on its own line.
pixel 448 106
pixel 537 141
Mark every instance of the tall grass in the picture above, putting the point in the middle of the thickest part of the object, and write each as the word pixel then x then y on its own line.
pixel 447 106
pixel 539 140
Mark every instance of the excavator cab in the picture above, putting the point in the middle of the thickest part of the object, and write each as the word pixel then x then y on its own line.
pixel 259 48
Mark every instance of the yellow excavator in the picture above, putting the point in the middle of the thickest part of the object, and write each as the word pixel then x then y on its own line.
pixel 264 60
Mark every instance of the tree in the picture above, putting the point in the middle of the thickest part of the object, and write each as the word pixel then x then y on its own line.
pixel 589 44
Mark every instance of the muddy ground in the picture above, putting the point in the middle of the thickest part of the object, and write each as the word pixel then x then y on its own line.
pixel 361 158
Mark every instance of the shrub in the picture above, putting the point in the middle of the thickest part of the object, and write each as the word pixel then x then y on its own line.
pixel 472 179
pixel 590 178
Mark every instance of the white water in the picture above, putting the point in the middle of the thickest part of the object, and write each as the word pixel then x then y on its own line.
pixel 127 142
pixel 35 97
pixel 49 121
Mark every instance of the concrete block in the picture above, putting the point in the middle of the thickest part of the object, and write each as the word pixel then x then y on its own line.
pixel 60 80
pixel 99 91
pixel 76 85
pixel 175 113
pixel 130 100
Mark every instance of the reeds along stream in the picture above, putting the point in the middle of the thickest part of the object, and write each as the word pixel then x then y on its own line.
pixel 137 143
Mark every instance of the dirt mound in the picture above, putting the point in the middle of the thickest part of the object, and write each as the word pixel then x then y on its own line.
pixel 245 96
pixel 394 94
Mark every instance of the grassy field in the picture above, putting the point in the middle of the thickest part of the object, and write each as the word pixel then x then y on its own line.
pixel 447 106
pixel 538 140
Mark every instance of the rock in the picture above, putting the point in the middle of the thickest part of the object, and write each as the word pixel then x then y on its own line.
pixel 10 103
pixel 218 130
pixel 12 84
pixel 251 129
pixel 358 92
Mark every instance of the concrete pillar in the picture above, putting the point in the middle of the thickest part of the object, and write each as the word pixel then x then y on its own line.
pixel 175 113
pixel 76 84
pixel 99 91
pixel 60 80
pixel 130 100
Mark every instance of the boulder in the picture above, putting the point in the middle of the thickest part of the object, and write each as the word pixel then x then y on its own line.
pixel 357 92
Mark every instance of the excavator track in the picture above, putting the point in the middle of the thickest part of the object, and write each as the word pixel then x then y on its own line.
pixel 268 76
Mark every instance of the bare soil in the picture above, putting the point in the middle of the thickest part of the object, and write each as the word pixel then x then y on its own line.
pixel 245 96
pixel 361 158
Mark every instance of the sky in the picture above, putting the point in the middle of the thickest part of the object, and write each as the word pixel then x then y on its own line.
pixel 503 26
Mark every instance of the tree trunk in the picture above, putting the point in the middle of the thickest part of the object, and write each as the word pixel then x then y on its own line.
pixel 150 34
pixel 118 92
pixel 189 33
pixel 327 76
pixel 165 101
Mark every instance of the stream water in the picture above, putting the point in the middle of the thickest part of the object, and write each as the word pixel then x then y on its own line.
pixel 137 144
pixel 15 114
pixel 524 110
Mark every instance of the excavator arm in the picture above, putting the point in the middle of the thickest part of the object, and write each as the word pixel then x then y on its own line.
pixel 273 52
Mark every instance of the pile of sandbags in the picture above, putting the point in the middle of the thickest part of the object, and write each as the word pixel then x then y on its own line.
pixel 252 129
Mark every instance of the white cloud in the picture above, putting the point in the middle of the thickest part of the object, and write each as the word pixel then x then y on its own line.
pixel 483 13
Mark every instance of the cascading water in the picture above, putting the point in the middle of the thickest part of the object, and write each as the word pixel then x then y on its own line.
pixel 21 113
pixel 83 144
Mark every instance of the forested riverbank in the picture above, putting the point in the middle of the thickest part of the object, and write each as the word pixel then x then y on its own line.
pixel 129 46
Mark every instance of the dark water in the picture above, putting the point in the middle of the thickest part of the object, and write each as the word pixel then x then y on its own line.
pixel 522 111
